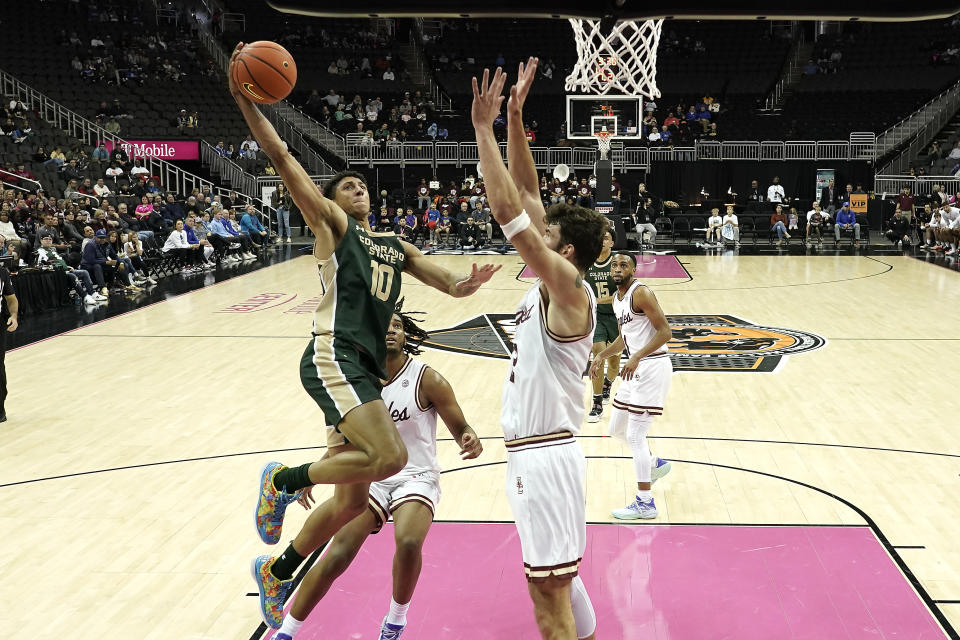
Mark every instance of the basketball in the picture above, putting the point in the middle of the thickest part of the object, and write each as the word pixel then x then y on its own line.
pixel 265 72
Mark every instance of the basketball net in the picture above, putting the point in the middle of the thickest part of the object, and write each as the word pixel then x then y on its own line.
pixel 624 61
pixel 604 138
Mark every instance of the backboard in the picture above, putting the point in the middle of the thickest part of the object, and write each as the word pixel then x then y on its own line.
pixel 588 114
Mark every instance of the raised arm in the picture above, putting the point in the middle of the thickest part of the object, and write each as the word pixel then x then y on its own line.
pixel 438 392
pixel 433 275
pixel 559 275
pixel 318 212
pixel 519 159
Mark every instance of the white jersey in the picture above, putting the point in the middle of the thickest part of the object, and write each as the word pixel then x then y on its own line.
pixel 543 392
pixel 635 328
pixel 417 425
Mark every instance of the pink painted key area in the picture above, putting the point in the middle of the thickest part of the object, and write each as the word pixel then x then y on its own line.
pixel 649 266
pixel 647 582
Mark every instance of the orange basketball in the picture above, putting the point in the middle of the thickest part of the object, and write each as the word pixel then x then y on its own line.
pixel 265 72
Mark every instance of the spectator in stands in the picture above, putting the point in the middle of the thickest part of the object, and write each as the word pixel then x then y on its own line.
pixel 127 272
pixel 444 227
pixel 100 189
pixel 138 169
pixel 249 148
pixel 755 197
pixel 643 218
pixel 282 201
pixel 177 244
pixel 48 257
pixel 928 230
pixel 584 194
pixel 847 221
pixel 198 243
pixel 828 198
pixel 56 158
pixel 731 226
pixel 384 221
pixel 905 204
pixel 898 229
pixel 100 153
pixel 816 220
pixel 775 192
pixel 220 226
pixel 133 250
pixel 714 227
pixel 251 225
pixel 470 235
pixel 778 224
pixel 96 263
pixel 793 220
pixel 955 152
pixel 220 149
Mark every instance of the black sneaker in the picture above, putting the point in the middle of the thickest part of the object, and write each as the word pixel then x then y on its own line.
pixel 595 413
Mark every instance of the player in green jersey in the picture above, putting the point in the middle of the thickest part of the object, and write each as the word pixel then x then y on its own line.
pixel 344 362
pixel 599 279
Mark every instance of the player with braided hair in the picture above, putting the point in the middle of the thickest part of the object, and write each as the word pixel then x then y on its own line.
pixel 414 394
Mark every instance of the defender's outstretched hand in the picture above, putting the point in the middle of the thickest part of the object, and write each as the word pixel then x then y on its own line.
pixel 476 279
pixel 520 91
pixel 487 98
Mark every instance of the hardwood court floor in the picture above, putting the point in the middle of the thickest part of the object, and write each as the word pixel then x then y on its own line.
pixel 131 457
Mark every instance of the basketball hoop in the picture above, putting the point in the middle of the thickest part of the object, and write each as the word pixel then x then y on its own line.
pixel 604 138
pixel 625 60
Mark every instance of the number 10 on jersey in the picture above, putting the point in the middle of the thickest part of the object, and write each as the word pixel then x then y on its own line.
pixel 381 280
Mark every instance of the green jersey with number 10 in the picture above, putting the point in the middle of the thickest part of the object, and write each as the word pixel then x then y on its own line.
pixel 361 284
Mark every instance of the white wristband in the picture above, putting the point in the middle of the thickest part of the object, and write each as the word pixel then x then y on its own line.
pixel 516 225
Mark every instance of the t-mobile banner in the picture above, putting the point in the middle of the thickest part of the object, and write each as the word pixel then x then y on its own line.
pixel 163 149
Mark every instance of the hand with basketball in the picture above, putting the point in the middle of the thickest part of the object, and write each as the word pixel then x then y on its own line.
pixel 487 98
pixel 261 72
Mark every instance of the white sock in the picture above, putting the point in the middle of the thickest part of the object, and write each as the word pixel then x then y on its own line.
pixel 644 495
pixel 290 626
pixel 398 612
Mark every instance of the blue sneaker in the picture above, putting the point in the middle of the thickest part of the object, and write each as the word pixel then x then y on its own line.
pixel 283 636
pixel 390 631
pixel 271 505
pixel 273 591
pixel 636 510
pixel 660 468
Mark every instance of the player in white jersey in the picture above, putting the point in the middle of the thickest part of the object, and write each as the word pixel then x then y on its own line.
pixel 644 333
pixel 542 402
pixel 414 394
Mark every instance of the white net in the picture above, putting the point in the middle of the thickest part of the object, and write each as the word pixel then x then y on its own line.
pixel 604 138
pixel 622 61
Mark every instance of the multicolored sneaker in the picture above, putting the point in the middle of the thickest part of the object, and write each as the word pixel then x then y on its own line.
pixel 659 469
pixel 390 631
pixel 273 591
pixel 636 510
pixel 271 505
pixel 283 636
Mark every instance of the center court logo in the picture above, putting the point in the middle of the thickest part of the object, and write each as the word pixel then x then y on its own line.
pixel 699 343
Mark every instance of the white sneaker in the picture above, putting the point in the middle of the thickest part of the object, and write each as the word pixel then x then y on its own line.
pixel 151 280
pixel 89 299
pixel 98 297
pixel 288 241
pixel 249 256
pixel 636 510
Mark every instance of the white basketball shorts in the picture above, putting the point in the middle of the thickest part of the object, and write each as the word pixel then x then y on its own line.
pixel 546 476
pixel 646 392
pixel 387 495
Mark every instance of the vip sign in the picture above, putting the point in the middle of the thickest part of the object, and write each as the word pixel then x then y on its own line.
pixel 858 202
